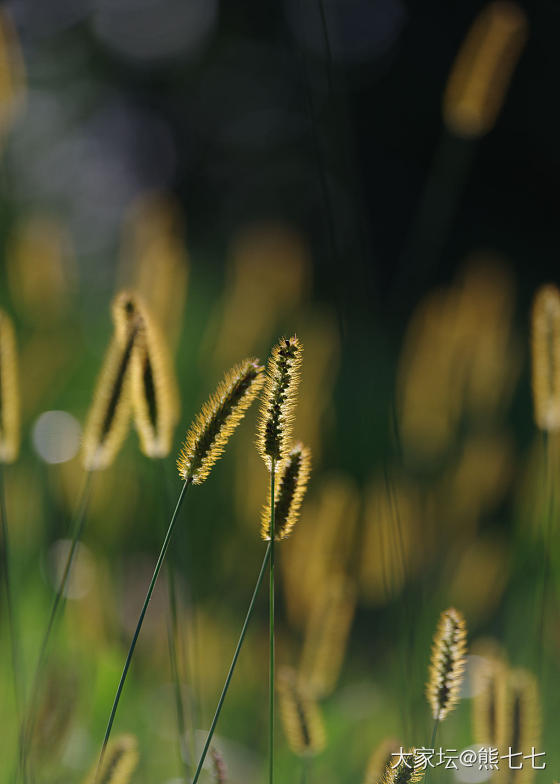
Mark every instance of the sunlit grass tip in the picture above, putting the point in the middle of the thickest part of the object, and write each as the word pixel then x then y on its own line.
pixel 290 490
pixel 155 399
pixel 380 759
pixel 277 412
pixel 545 357
pixel 109 415
pixel 403 769
pixel 119 762
pixel 301 717
pixel 447 663
pixel 9 391
pixel 207 437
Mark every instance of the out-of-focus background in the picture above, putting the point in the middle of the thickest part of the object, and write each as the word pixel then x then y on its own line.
pixel 369 175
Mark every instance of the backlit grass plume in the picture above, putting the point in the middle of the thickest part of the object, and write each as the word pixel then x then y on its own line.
pixel 301 716
pixel 9 391
pixel 155 401
pixel 218 766
pixel 119 763
pixel 326 635
pixel 208 435
pixel 523 723
pixel 447 664
pixel 109 415
pixel 381 758
pixel 490 703
pixel 291 486
pixel 545 357
pixel 282 379
pixel 483 69
pixel 403 769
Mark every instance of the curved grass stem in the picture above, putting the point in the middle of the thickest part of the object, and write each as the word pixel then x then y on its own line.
pixel 149 592
pixel 233 663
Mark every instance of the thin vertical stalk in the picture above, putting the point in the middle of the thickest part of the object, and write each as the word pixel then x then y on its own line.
pixel 431 746
pixel 12 622
pixel 271 619
pixel 150 590
pixel 233 663
pixel 27 725
pixel 542 588
pixel 305 769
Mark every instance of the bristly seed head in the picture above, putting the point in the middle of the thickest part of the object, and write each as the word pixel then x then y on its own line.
pixel 277 411
pixel 291 486
pixel 219 766
pixel 9 392
pixel 119 762
pixel 207 437
pixel 448 663
pixel 301 716
pixel 545 357
pixel 404 769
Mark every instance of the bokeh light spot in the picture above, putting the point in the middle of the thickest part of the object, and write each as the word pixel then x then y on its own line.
pixel 56 436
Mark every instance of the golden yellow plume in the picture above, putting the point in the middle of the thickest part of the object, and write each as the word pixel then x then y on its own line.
pixel 483 69
pixel 523 724
pixel 119 762
pixel 301 716
pixel 109 414
pixel 327 635
pixel 219 416
pixel 381 758
pixel 292 484
pixel 9 391
pixel 12 73
pixel 490 702
pixel 545 357
pixel 404 770
pixel 448 663
pixel 277 412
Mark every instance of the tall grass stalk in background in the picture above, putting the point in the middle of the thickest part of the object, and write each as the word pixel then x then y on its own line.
pixel 447 666
pixel 291 490
pixel 204 444
pixel 9 448
pixel 545 377
pixel 273 443
pixel 104 433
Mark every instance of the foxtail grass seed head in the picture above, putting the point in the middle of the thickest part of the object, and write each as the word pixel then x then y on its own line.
pixel 218 767
pixel 291 486
pixel 9 391
pixel 119 762
pixel 381 758
pixel 483 69
pixel 404 768
pixel 155 400
pixel 545 357
pixel 109 414
pixel 490 701
pixel 279 399
pixel 326 635
pixel 301 716
pixel 448 663
pixel 207 437
pixel 523 718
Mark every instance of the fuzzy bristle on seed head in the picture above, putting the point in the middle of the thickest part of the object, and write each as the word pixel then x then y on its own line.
pixel 109 415
pixel 9 392
pixel 523 726
pixel 208 435
pixel 218 766
pixel 380 759
pixel 545 357
pixel 403 768
pixel 279 399
pixel 291 484
pixel 301 716
pixel 483 69
pixel 119 762
pixel 448 663
pixel 489 705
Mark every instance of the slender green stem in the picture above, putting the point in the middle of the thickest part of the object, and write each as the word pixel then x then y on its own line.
pixel 305 769
pixel 12 622
pixel 233 663
pixel 272 535
pixel 151 587
pixel 27 726
pixel 431 746
pixel 542 589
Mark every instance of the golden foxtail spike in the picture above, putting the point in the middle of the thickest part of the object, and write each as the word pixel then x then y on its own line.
pixel 292 484
pixel 301 716
pixel 448 663
pixel 207 437
pixel 9 392
pixel 277 411
pixel 119 762
pixel 545 357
